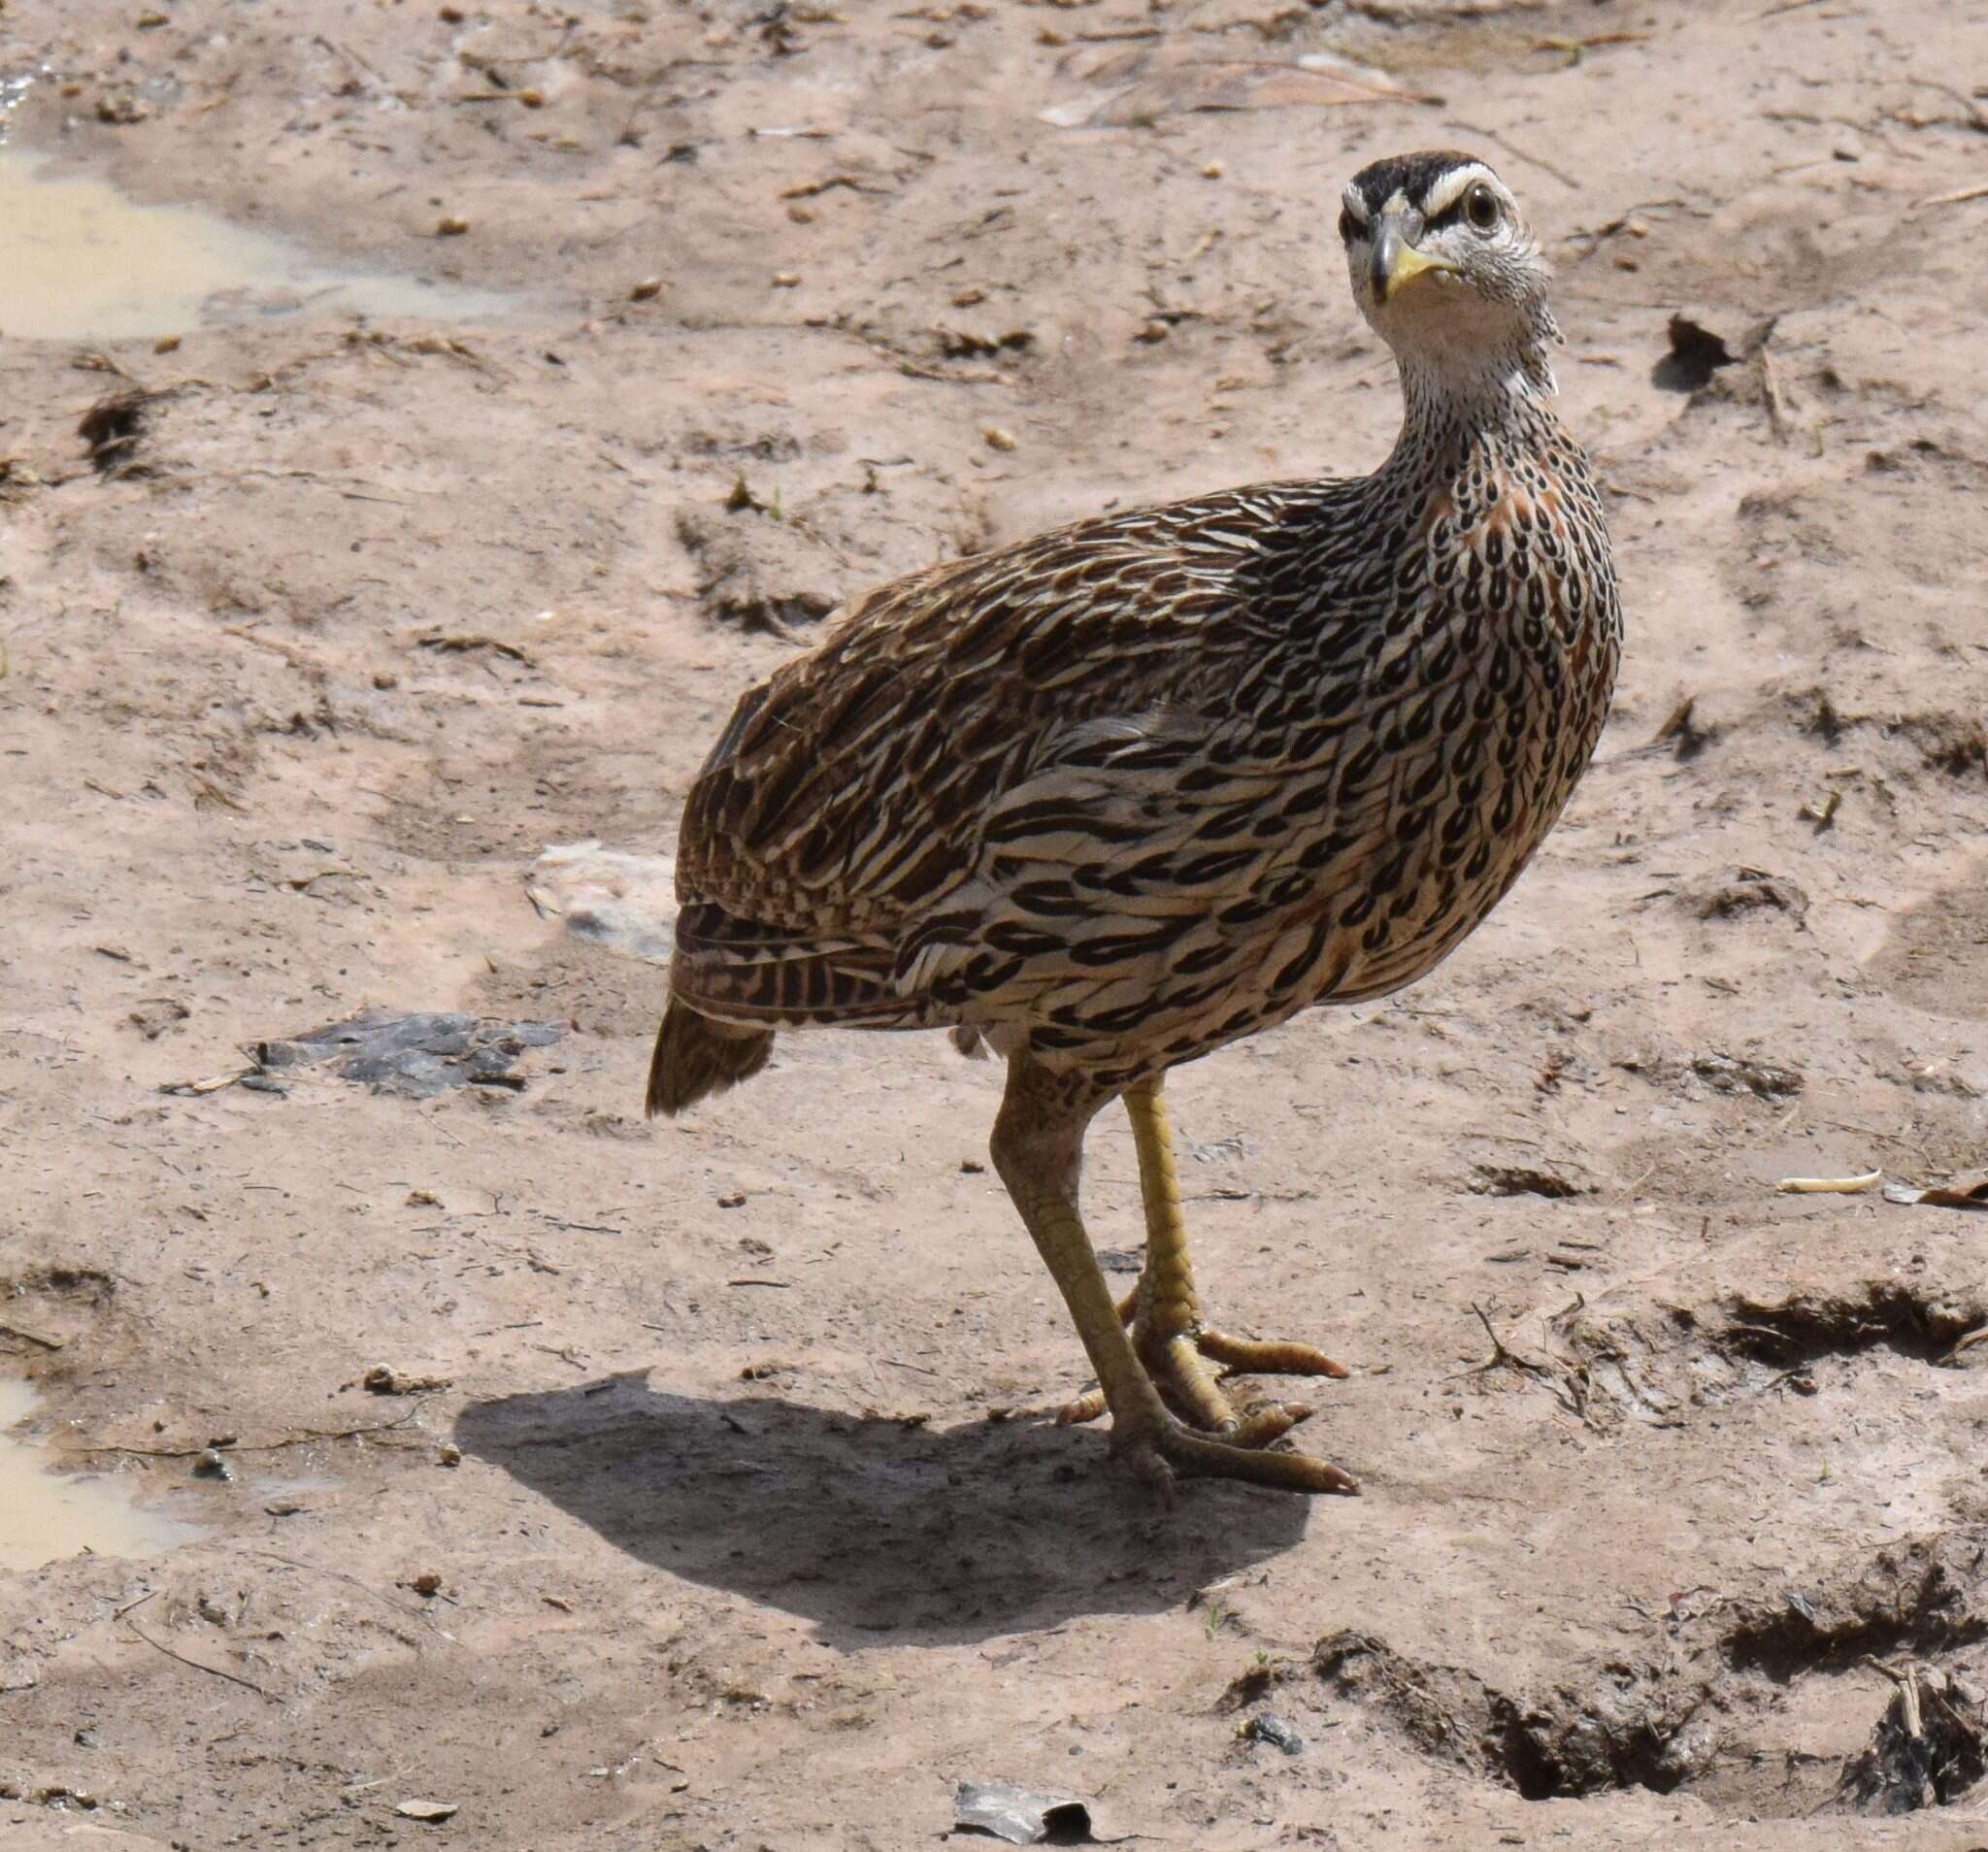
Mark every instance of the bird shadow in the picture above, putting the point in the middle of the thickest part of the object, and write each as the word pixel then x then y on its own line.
pixel 868 1527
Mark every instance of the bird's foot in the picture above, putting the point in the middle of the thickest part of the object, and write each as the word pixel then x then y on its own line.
pixel 1188 1388
pixel 1161 1448
pixel 1174 1361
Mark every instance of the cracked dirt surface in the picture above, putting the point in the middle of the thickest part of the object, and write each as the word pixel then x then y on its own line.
pixel 709 1498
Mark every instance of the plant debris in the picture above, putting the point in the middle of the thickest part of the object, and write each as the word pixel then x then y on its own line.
pixel 382 1379
pixel 418 1055
pixel 1957 1196
pixel 1021 1817
pixel 1525 1179
pixel 1764 1080
pixel 1930 1747
pixel 1733 891
pixel 114 426
pixel 1682 734
pixel 1830 1185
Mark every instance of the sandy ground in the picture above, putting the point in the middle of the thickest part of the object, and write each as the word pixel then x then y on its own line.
pixel 710 1501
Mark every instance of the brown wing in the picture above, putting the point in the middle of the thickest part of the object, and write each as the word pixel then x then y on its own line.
pixel 850 793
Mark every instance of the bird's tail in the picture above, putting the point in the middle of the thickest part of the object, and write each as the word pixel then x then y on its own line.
pixel 696 1056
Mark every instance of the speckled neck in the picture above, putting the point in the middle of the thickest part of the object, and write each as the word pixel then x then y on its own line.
pixel 1446 397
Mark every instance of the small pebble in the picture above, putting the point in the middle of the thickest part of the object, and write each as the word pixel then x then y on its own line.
pixel 786 279
pixel 1266 1726
pixel 646 290
pixel 452 226
pixel 998 437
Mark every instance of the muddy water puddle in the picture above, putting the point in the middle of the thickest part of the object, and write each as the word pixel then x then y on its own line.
pixel 46 1514
pixel 85 262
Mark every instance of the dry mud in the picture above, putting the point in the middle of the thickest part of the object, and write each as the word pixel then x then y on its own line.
pixel 703 1497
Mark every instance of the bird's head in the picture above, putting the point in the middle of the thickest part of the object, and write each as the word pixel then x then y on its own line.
pixel 1444 268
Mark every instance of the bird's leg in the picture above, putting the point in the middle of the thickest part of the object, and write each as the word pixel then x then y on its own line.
pixel 1164 1309
pixel 1038 1150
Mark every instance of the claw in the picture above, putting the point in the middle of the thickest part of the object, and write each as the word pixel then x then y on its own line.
pixel 1160 1452
pixel 1258 1427
pixel 1088 1407
pixel 1148 1463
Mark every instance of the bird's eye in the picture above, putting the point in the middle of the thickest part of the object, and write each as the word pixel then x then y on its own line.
pixel 1480 208
pixel 1349 225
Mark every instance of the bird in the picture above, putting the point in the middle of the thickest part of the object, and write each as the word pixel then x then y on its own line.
pixel 1106 800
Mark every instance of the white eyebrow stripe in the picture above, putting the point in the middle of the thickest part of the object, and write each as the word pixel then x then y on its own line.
pixel 1452 187
pixel 1354 203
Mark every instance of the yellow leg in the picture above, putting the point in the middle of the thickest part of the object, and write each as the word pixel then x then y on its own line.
pixel 1038 1150
pixel 1164 1309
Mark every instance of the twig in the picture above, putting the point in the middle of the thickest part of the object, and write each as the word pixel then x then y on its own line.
pixel 1501 1357
pixel 1741 1328
pixel 1775 400
pixel 1531 160
pixel 1965 1342
pixel 1959 197
pixel 339 1575
pixel 565 1354
pixel 213 1671
pixel 1560 1386
pixel 302 1437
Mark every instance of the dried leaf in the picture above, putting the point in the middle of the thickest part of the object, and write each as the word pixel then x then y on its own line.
pixel 1957 1196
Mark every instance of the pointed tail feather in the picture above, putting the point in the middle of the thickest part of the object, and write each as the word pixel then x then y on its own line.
pixel 696 1056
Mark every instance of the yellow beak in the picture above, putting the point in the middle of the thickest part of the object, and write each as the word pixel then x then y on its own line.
pixel 1395 263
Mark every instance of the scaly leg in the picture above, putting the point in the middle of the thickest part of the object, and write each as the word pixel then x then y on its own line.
pixel 1164 1309
pixel 1038 1150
